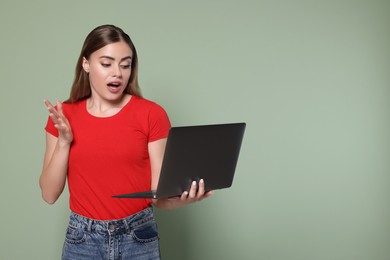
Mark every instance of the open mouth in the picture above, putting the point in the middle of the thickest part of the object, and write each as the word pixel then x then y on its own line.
pixel 114 85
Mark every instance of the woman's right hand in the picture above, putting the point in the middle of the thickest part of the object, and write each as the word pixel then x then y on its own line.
pixel 60 122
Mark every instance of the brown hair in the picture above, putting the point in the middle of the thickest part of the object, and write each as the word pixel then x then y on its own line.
pixel 96 39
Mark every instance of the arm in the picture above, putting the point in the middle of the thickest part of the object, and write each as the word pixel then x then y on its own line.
pixel 156 154
pixel 55 164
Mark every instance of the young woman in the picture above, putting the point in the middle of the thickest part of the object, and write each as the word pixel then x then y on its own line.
pixel 106 139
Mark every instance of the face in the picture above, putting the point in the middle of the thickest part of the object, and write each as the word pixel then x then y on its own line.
pixel 109 70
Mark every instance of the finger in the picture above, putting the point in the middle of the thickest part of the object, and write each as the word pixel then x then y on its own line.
pixel 192 193
pixel 54 118
pixel 61 125
pixel 59 106
pixel 184 196
pixel 47 103
pixel 51 108
pixel 208 194
pixel 60 122
pixel 200 189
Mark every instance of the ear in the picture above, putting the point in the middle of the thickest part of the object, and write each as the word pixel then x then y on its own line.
pixel 85 65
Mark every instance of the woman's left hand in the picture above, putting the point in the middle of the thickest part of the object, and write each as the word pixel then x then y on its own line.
pixel 195 194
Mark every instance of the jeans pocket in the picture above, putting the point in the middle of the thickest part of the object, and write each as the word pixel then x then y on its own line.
pixel 145 232
pixel 75 235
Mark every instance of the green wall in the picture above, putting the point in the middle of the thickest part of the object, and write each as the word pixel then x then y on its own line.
pixel 310 78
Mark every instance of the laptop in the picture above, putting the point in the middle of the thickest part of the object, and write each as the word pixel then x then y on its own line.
pixel 208 152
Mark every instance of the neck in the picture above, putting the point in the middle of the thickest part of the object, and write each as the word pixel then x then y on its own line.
pixel 100 107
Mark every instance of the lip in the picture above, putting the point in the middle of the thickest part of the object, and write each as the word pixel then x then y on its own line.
pixel 114 86
pixel 117 83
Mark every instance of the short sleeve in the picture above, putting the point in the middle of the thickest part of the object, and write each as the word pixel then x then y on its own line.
pixel 159 124
pixel 50 128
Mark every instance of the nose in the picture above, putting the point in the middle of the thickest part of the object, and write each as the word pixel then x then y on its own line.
pixel 117 72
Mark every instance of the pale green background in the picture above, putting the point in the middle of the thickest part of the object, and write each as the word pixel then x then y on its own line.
pixel 310 78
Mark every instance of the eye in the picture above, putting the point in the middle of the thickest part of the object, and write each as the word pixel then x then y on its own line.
pixel 106 65
pixel 125 66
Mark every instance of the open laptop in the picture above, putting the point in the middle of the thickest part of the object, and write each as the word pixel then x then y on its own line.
pixel 208 152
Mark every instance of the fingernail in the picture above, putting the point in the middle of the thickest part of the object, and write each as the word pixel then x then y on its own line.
pixel 201 181
pixel 194 183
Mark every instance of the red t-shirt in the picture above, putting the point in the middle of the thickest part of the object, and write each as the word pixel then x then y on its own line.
pixel 109 156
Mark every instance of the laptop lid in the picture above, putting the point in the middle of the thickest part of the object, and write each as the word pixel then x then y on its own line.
pixel 208 152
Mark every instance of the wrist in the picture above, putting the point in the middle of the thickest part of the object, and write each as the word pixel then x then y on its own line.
pixel 63 143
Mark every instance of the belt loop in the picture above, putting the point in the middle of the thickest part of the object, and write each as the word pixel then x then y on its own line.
pixel 89 225
pixel 126 225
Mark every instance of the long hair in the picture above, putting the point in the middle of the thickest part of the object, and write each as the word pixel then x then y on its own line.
pixel 96 39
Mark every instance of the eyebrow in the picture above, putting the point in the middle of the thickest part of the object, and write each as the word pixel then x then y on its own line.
pixel 111 58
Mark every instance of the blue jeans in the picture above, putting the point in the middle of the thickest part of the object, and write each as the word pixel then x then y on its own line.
pixel 134 237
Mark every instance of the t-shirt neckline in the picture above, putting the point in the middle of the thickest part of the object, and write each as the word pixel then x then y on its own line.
pixel 107 117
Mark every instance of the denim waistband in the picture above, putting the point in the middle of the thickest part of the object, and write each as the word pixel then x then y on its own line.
pixel 117 226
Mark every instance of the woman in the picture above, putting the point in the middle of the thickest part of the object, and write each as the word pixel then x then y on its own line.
pixel 106 139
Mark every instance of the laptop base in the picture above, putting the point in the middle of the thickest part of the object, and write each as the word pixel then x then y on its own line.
pixel 138 195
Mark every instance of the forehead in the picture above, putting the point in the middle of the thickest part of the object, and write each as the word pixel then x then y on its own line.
pixel 117 50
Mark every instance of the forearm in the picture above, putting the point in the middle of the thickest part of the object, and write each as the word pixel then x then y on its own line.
pixel 53 177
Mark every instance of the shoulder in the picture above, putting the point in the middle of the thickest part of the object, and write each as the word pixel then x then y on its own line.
pixel 146 104
pixel 151 112
pixel 76 104
pixel 154 118
pixel 71 108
